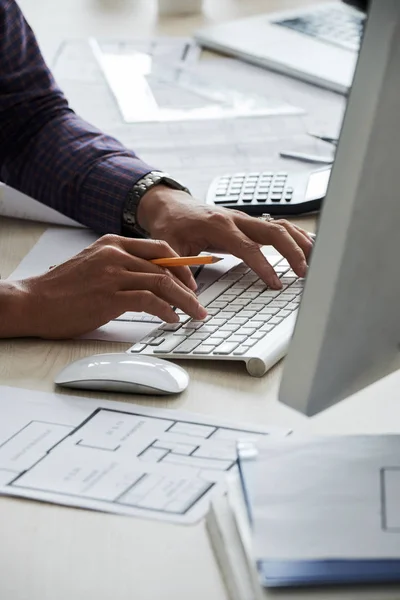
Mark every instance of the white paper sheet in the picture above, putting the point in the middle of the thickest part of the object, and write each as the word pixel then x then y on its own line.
pixel 115 456
pixel 325 498
pixel 20 206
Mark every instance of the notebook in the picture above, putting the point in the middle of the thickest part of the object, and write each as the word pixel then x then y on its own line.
pixel 323 511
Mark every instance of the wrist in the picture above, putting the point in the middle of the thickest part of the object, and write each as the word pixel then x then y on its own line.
pixel 156 204
pixel 14 310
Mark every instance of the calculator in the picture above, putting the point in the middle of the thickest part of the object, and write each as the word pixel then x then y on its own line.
pixel 277 193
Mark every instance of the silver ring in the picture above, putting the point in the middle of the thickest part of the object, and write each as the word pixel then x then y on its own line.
pixel 266 217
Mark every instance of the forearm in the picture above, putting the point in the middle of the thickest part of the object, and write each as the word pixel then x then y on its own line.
pixel 12 310
pixel 79 171
pixel 46 150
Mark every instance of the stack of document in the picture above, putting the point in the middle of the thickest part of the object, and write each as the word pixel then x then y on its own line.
pixel 311 512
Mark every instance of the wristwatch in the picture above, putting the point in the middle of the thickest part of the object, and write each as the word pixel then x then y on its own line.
pixel 130 226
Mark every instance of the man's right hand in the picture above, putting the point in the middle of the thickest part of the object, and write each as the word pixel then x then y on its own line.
pixel 110 277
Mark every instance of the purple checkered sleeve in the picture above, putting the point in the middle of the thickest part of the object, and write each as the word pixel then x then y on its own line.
pixel 46 150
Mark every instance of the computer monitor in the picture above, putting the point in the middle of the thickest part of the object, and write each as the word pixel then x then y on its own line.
pixel 347 333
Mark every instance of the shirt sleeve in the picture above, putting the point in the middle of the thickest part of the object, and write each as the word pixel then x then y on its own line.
pixel 46 150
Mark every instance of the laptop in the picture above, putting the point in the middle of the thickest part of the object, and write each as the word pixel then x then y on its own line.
pixel 317 43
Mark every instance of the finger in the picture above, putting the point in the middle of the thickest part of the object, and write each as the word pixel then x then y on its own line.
pixel 133 264
pixel 272 233
pixel 309 235
pixel 149 249
pixel 164 287
pixel 233 240
pixel 299 235
pixel 146 301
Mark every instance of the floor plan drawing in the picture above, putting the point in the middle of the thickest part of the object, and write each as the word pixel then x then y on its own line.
pixel 113 456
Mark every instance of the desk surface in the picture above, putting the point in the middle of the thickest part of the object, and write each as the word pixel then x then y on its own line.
pixel 51 552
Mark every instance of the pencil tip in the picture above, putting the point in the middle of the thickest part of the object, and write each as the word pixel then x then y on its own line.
pixel 217 259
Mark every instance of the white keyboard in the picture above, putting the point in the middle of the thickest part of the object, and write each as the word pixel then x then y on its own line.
pixel 246 321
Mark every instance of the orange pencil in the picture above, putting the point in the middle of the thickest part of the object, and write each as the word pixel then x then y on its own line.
pixel 185 261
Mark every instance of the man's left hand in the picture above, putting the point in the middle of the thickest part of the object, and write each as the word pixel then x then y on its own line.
pixel 191 227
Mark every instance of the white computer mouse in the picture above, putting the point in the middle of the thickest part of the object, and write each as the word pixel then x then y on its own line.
pixel 124 373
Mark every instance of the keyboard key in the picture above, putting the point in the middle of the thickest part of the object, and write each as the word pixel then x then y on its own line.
pixel 278 303
pixel 237 338
pixel 225 297
pixel 241 350
pixel 275 320
pixel 255 324
pixel 258 335
pixel 250 342
pixel 208 329
pixel 199 335
pixel 249 314
pixel 235 308
pixel 292 306
pixel 249 294
pixel 230 327
pixel 226 315
pixel 239 321
pixel 242 301
pixel 267 327
pixel 193 325
pixel 283 313
pixel 184 318
pixel 247 331
pixel 226 348
pixel 213 311
pixel 217 304
pixel 219 336
pixel 287 280
pixel 269 310
pixel 187 346
pixel 171 326
pixel 217 321
pixel 170 344
pixel 287 297
pixel 156 341
pixel 151 337
pixel 256 306
pixel 269 294
pixel 203 349
pixel 263 318
pixel 138 348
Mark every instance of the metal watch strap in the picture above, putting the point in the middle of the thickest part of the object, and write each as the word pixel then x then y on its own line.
pixel 130 225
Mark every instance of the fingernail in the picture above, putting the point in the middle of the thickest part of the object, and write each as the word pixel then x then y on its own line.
pixel 303 269
pixel 276 283
pixel 201 312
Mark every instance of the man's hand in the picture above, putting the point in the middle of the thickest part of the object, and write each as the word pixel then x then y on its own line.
pixel 190 227
pixel 108 278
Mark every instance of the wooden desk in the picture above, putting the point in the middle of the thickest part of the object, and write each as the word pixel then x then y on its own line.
pixel 56 553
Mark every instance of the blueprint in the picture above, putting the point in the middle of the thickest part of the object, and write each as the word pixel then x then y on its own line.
pixel 115 456
pixel 196 151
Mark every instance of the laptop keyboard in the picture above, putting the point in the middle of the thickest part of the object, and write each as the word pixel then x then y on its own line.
pixel 336 26
pixel 242 312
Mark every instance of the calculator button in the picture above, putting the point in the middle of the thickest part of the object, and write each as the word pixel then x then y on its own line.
pixel 275 197
pixel 226 200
